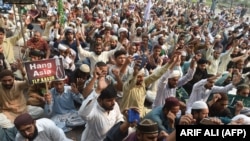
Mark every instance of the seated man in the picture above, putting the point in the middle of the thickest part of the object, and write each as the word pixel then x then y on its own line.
pixel 37 42
pixel 165 116
pixel 145 130
pixel 80 76
pixel 134 89
pixel 101 69
pixel 13 102
pixel 37 130
pixel 60 105
pixel 36 94
pixel 205 87
pixel 218 107
pixel 200 111
pixel 100 111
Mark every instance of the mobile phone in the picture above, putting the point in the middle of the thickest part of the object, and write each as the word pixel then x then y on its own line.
pixel 207 121
pixel 133 116
pixel 136 57
pixel 144 60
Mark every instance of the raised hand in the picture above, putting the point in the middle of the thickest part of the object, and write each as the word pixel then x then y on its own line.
pixel 19 64
pixel 116 72
pixel 74 88
pixel 80 82
pixel 27 20
pixel 187 120
pixel 213 78
pixel 101 85
pixel 159 61
pixel 216 97
pixel 175 59
pixel 193 63
pixel 129 59
pixel 97 72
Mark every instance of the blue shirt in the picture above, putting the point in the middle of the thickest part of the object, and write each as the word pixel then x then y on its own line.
pixel 158 116
pixel 62 103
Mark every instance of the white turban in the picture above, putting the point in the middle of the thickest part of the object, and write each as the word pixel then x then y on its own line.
pixel 122 29
pixel 115 38
pixel 62 47
pixel 107 24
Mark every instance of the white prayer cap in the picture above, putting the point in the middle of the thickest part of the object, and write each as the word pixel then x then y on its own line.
pixel 86 8
pixel 84 68
pixel 100 12
pixel 175 73
pixel 138 28
pixel 218 36
pixel 11 12
pixel 33 6
pixel 62 47
pixel 199 105
pixel 122 29
pixel 124 21
pixel 183 53
pixel 115 38
pixel 79 7
pixel 80 19
pixel 69 30
pixel 72 24
pixel 5 15
pixel 141 72
pixel 107 24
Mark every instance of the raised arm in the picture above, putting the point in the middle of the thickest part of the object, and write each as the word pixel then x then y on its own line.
pixel 82 53
pixel 90 86
pixel 158 73
pixel 88 104
pixel 189 75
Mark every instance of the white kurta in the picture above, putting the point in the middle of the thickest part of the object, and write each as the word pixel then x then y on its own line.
pixel 199 92
pixel 98 120
pixel 47 131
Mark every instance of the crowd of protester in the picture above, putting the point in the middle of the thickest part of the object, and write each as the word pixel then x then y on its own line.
pixel 172 62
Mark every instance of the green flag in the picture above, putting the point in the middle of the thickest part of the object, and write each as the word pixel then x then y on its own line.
pixel 61 14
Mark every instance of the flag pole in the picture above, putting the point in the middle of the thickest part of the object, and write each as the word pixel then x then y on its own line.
pixel 21 24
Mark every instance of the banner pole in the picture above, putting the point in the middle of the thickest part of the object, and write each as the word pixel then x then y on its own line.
pixel 21 23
